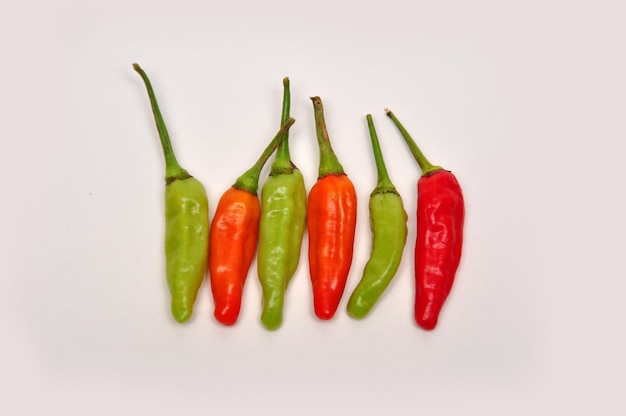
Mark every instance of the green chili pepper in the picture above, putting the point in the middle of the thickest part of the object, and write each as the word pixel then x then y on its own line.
pixel 283 219
pixel 187 223
pixel 389 230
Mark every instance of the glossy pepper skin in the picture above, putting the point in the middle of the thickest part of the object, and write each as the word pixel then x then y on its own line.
pixel 234 235
pixel 440 218
pixel 331 225
pixel 186 223
pixel 281 229
pixel 389 231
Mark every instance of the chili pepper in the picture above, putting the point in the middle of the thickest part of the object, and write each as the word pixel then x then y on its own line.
pixel 388 224
pixel 281 228
pixel 440 216
pixel 187 223
pixel 331 223
pixel 234 235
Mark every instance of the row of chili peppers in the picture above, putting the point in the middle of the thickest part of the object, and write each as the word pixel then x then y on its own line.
pixel 276 224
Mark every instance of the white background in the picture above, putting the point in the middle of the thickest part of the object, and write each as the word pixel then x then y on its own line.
pixel 523 100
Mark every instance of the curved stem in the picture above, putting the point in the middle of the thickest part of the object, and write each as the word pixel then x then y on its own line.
pixel 329 164
pixel 384 183
pixel 173 170
pixel 426 167
pixel 282 162
pixel 249 181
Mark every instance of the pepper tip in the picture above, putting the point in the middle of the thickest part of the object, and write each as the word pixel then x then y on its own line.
pixel 181 313
pixel 325 313
pixel 427 323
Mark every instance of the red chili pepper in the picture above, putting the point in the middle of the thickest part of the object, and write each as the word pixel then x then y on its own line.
pixel 440 217
pixel 331 221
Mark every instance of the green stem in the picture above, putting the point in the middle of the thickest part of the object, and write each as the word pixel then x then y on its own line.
pixel 249 181
pixel 329 164
pixel 282 162
pixel 173 170
pixel 384 183
pixel 426 167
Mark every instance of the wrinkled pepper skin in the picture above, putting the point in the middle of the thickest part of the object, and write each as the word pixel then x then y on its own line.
pixel 389 231
pixel 283 219
pixel 439 240
pixel 186 223
pixel 186 243
pixel 234 234
pixel 440 217
pixel 331 225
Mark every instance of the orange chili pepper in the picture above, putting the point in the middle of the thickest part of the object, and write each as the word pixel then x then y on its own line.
pixel 331 220
pixel 234 235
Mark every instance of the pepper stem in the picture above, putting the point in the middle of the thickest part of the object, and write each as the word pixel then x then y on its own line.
pixel 384 183
pixel 329 164
pixel 173 170
pixel 282 162
pixel 249 181
pixel 426 167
